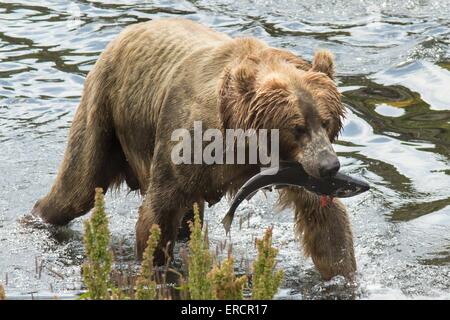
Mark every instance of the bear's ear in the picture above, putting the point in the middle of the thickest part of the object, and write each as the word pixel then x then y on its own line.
pixel 245 75
pixel 324 62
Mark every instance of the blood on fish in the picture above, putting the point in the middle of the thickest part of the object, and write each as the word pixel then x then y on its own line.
pixel 323 200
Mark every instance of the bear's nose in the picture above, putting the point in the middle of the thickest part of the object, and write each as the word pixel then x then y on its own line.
pixel 329 165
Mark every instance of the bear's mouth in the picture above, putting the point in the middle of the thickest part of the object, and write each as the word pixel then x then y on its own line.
pixel 291 173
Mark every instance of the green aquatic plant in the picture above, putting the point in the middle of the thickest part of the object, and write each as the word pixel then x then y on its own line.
pixel 97 268
pixel 266 280
pixel 146 283
pixel 225 284
pixel 206 280
pixel 199 262
pixel 2 292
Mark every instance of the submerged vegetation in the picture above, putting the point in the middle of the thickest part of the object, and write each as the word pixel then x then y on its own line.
pixel 207 278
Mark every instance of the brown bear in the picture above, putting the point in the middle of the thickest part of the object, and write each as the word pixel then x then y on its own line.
pixel 163 75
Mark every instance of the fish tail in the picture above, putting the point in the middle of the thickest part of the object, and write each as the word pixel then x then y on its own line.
pixel 227 220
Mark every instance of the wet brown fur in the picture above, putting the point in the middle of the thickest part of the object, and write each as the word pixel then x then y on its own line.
pixel 162 75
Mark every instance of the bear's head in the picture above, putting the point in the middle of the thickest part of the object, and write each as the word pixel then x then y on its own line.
pixel 276 90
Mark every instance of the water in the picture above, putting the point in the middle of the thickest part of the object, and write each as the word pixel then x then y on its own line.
pixel 393 67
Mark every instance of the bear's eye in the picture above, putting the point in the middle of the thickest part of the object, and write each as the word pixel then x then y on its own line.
pixel 299 131
pixel 325 124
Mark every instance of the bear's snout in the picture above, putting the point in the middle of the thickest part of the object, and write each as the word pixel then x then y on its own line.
pixel 328 164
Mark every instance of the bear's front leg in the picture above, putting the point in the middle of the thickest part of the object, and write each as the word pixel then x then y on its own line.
pixel 167 215
pixel 326 231
pixel 184 232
